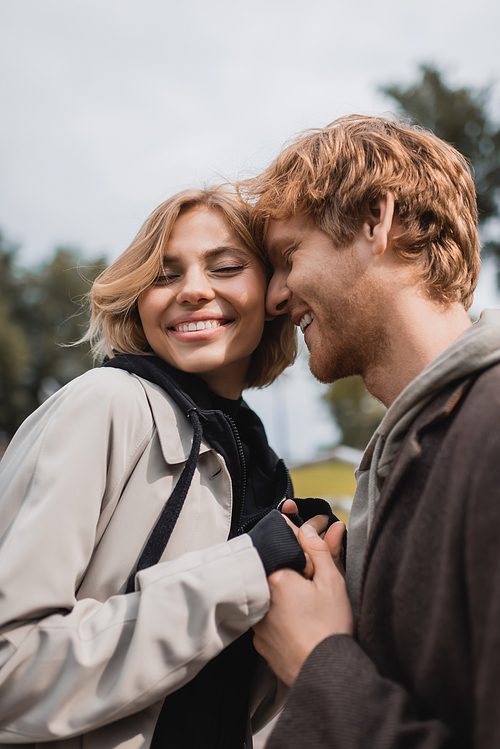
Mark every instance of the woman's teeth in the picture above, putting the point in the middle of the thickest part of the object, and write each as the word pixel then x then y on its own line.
pixel 201 325
pixel 306 320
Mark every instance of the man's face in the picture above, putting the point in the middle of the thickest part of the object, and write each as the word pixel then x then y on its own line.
pixel 330 292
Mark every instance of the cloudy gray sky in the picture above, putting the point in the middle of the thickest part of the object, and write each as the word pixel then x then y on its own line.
pixel 110 106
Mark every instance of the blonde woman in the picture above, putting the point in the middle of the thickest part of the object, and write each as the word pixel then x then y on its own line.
pixel 128 580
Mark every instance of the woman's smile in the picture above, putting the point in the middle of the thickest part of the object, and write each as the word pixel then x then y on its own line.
pixel 191 331
pixel 198 322
pixel 193 327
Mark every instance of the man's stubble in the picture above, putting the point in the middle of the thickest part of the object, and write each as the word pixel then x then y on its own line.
pixel 351 338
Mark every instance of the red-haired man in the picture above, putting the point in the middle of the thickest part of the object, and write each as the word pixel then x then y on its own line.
pixel 372 233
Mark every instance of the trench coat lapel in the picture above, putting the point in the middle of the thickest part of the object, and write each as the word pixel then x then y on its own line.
pixel 175 443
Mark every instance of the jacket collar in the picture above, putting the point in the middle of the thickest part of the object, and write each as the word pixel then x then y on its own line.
pixel 174 430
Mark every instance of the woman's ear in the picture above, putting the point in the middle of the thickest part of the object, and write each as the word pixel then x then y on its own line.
pixel 378 222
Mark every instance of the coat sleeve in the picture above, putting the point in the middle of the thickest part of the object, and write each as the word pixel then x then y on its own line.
pixel 68 666
pixel 340 700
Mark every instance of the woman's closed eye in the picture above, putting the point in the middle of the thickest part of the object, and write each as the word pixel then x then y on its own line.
pixel 166 278
pixel 229 269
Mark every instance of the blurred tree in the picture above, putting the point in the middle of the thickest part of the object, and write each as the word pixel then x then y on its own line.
pixel 41 310
pixel 459 116
pixel 356 412
pixel 14 347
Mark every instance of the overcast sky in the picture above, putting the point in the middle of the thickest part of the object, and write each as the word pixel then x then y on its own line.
pixel 110 106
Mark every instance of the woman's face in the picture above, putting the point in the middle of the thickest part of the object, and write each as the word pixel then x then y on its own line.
pixel 205 314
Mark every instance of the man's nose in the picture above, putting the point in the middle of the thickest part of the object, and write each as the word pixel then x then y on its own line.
pixel 195 288
pixel 278 296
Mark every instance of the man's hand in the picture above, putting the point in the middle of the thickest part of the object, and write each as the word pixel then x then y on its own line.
pixel 305 612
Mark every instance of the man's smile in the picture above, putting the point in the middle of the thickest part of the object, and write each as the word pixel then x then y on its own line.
pixel 305 321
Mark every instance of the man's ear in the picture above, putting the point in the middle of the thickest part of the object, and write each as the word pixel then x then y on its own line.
pixel 378 222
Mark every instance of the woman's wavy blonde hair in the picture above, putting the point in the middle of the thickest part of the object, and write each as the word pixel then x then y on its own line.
pixel 115 325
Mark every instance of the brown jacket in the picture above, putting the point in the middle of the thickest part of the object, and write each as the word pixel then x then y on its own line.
pixel 424 668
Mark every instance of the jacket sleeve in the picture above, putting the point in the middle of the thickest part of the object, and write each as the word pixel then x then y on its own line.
pixel 340 700
pixel 68 666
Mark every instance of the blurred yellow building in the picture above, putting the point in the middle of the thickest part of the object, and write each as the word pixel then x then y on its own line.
pixel 331 478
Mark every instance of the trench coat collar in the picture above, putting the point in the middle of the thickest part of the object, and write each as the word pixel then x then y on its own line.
pixel 175 433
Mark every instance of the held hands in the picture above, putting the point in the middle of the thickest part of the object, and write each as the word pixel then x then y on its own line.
pixel 303 611
pixel 318 522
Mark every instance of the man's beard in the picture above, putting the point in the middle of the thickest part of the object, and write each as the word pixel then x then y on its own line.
pixel 350 342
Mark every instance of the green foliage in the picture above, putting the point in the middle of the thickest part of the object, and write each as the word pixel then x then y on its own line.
pixel 459 116
pixel 40 309
pixel 14 346
pixel 356 412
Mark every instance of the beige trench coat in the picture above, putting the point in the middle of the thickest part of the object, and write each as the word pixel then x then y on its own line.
pixel 81 486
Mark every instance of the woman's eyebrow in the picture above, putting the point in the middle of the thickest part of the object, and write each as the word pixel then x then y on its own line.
pixel 216 251
pixel 211 253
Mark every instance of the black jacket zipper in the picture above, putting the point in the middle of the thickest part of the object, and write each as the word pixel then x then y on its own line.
pixel 238 529
pixel 251 522
pixel 235 528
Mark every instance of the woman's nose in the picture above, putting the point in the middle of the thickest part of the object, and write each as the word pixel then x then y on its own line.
pixel 278 295
pixel 195 288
